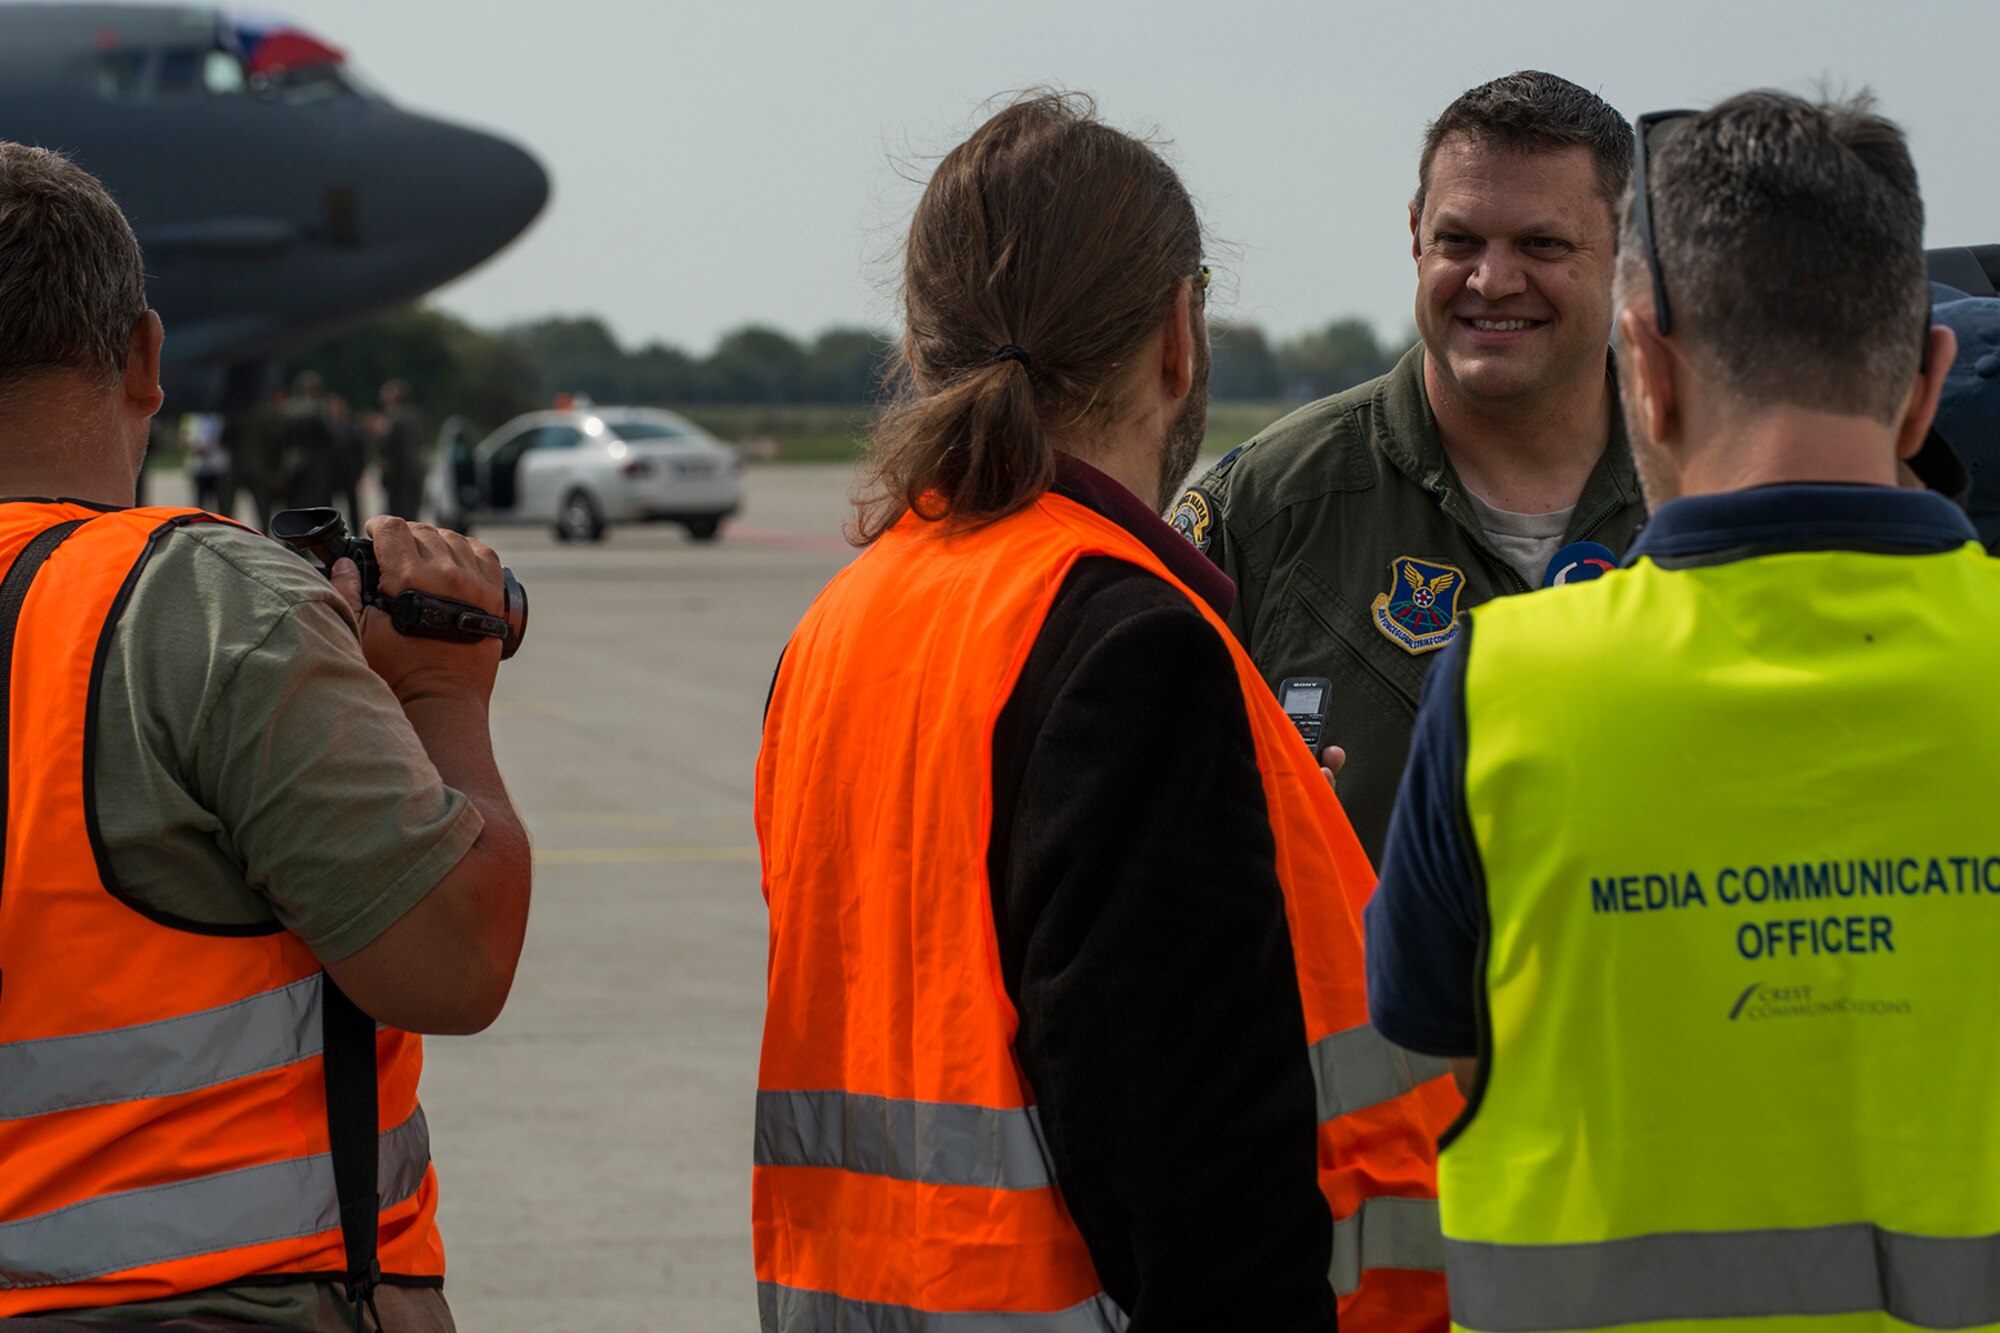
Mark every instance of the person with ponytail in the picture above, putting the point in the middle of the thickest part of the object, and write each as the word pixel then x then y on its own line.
pixel 1065 1026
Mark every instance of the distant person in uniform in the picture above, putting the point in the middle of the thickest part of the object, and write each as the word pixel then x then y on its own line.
pixel 307 444
pixel 256 841
pixel 403 450
pixel 1065 1027
pixel 349 459
pixel 1362 527
pixel 1695 867
pixel 252 440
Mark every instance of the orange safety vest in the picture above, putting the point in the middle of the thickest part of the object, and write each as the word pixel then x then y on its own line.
pixel 163 1109
pixel 899 1165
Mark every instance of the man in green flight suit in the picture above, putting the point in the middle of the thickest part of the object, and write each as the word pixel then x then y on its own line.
pixel 1360 528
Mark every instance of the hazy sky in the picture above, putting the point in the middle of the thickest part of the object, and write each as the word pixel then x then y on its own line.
pixel 731 161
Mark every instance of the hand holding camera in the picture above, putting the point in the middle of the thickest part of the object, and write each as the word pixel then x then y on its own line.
pixel 438 610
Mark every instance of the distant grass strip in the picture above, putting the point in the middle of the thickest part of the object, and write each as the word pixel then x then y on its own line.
pixel 837 433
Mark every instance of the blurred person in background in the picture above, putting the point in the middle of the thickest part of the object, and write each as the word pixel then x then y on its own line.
pixel 403 450
pixel 305 463
pixel 347 461
pixel 207 459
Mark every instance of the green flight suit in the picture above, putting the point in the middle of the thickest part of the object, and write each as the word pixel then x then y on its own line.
pixel 1331 522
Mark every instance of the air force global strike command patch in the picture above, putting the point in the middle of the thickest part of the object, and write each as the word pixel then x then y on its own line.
pixel 1194 519
pixel 1419 613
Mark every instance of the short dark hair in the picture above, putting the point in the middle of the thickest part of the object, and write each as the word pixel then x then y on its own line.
pixel 1790 237
pixel 1532 112
pixel 1051 236
pixel 72 283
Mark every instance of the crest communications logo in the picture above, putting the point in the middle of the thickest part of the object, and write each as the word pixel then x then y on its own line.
pixel 1760 1003
pixel 1419 613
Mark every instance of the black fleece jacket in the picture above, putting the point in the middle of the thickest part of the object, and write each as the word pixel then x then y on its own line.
pixel 1143 940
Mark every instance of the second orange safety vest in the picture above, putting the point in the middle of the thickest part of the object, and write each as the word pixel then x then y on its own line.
pixel 163 1105
pixel 899 1166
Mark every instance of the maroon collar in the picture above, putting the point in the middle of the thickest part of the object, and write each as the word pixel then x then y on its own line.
pixel 1079 481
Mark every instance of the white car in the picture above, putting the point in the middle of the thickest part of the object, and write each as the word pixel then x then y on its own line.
pixel 581 470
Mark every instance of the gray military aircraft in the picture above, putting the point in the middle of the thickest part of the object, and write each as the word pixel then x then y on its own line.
pixel 276 196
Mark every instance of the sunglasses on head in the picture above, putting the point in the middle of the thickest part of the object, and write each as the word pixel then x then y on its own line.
pixel 1652 132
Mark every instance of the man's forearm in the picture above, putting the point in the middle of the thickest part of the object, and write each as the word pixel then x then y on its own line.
pixel 457 735
pixel 448 964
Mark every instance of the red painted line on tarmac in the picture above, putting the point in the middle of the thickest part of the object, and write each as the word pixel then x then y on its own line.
pixel 789 541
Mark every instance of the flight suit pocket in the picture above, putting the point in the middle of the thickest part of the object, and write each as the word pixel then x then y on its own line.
pixel 1317 621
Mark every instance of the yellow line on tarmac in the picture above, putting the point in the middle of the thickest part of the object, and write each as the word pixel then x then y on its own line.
pixel 611 856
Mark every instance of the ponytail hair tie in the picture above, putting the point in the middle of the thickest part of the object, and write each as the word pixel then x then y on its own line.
pixel 1009 352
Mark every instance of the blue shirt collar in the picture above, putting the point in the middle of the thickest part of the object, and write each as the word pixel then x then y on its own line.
pixel 1765 520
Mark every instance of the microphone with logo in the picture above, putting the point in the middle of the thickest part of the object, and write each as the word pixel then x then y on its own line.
pixel 1579 562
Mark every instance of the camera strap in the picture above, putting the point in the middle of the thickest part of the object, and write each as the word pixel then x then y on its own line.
pixel 348 1062
pixel 430 616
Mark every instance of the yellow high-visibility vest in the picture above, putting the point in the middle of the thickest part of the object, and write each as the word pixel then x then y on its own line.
pixel 1739 827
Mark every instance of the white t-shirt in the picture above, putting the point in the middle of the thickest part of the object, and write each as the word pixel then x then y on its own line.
pixel 1528 541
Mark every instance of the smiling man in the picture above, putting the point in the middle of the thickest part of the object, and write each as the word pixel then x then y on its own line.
pixel 1362 527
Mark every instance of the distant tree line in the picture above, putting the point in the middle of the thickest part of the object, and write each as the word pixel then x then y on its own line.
pixel 491 375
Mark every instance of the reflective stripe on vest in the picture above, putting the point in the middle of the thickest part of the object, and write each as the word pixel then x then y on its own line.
pixel 161 1059
pixel 251 1206
pixel 1360 1068
pixel 936 1143
pixel 1386 1232
pixel 790 1310
pixel 901 1179
pixel 1755 1036
pixel 1929 1281
pixel 994 1148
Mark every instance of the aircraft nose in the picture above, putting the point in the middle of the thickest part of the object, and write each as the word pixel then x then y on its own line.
pixel 461 194
pixel 492 186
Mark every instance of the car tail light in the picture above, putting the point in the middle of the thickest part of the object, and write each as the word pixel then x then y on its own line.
pixel 637 467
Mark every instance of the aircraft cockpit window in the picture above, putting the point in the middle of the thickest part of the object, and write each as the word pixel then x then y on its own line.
pixel 288 63
pixel 135 74
pixel 179 73
pixel 121 74
pixel 303 83
pixel 222 74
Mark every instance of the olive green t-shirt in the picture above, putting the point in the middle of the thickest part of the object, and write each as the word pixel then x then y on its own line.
pixel 251 768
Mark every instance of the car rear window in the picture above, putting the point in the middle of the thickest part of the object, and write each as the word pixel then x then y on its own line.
pixel 634 429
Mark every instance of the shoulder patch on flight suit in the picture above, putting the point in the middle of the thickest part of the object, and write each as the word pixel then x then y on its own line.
pixel 1194 518
pixel 1419 613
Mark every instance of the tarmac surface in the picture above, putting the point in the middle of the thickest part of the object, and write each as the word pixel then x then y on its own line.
pixel 593 1146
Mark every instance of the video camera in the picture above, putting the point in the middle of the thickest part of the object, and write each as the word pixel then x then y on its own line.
pixel 321 536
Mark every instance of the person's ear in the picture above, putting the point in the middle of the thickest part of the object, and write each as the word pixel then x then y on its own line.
pixel 1416 233
pixel 1649 383
pixel 1177 344
pixel 142 365
pixel 1921 409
